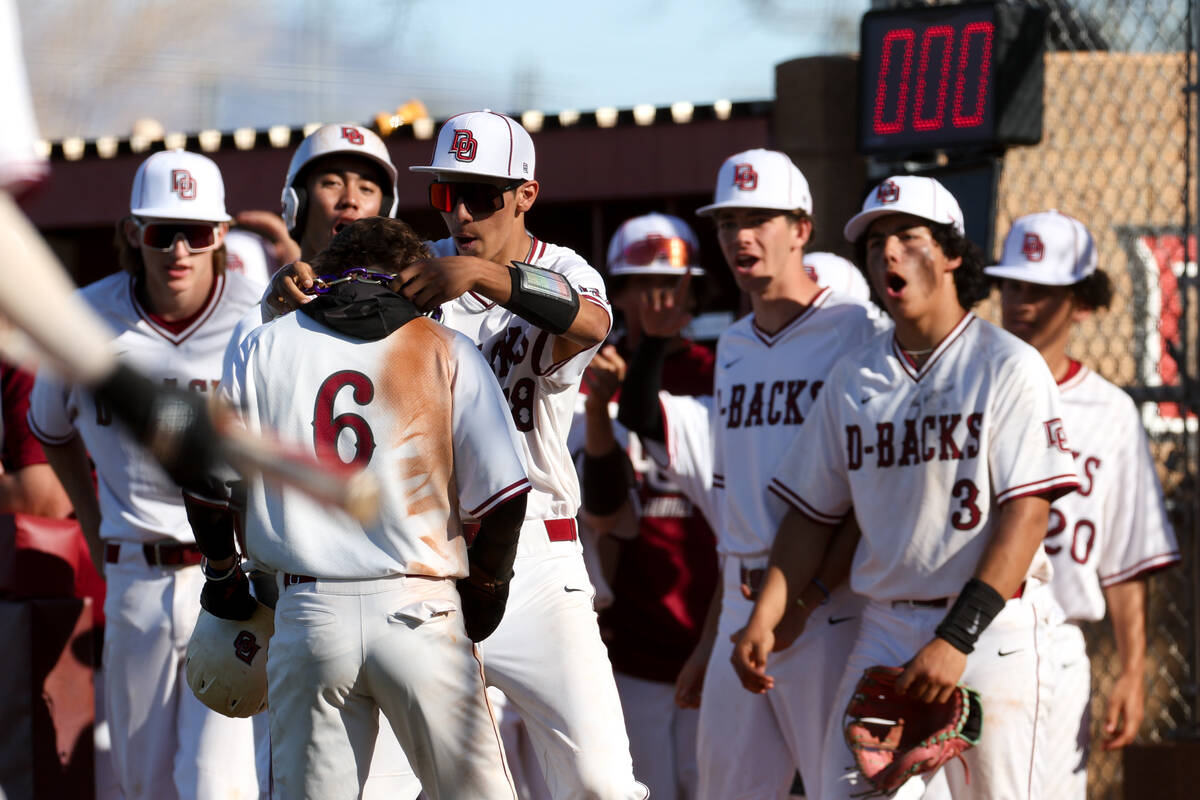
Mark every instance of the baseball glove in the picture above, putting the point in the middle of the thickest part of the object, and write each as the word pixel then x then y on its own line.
pixel 894 737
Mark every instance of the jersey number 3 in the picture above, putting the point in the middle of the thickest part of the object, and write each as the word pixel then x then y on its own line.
pixel 327 428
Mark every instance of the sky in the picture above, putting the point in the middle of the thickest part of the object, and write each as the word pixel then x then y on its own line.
pixel 96 67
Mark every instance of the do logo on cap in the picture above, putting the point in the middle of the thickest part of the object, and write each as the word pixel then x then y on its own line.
pixel 1032 247
pixel 183 184
pixel 744 177
pixel 352 135
pixel 464 145
pixel 888 192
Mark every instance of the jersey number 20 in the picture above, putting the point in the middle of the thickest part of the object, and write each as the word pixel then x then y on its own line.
pixel 327 428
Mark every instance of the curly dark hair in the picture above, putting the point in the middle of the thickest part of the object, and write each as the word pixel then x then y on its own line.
pixel 1093 292
pixel 970 282
pixel 383 244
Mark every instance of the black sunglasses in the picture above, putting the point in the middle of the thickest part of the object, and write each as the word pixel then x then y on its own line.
pixel 479 198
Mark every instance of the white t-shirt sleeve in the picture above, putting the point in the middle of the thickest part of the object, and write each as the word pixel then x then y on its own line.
pixel 687 455
pixel 812 476
pixel 487 461
pixel 1140 537
pixel 1028 452
pixel 51 413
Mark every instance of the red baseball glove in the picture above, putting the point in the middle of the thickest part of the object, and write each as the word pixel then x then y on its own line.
pixel 894 737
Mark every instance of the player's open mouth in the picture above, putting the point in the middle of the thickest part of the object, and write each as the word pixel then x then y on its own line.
pixel 341 223
pixel 746 263
pixel 464 242
pixel 895 284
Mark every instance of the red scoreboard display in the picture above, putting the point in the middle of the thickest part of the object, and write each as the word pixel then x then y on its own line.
pixel 945 77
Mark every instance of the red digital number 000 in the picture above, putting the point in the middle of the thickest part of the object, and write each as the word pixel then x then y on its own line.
pixel 929 105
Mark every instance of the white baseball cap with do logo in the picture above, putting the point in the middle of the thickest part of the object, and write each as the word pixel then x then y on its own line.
pixel 1049 248
pixel 484 144
pixel 176 184
pixel 907 194
pixel 759 179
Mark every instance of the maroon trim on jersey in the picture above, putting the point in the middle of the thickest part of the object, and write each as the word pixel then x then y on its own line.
pixel 1076 372
pixel 532 256
pixel 769 339
pixel 181 330
pixel 1058 486
pixel 487 304
pixel 1141 568
pixel 794 500
pixel 907 364
pixel 507 493
pixel 44 437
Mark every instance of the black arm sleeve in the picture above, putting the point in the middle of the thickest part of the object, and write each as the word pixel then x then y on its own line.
pixel 638 409
pixel 605 481
pixel 495 545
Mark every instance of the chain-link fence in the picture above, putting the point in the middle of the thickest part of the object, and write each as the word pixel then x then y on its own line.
pixel 1118 152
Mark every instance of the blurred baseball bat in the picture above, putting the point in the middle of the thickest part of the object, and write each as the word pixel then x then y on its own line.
pixel 46 324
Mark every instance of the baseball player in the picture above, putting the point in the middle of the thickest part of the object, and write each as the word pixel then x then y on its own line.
pixel 174 309
pixel 664 569
pixel 770 367
pixel 369 619
pixel 537 312
pixel 1106 538
pixel 946 439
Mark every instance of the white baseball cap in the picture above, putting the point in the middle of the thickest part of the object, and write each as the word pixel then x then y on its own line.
pixel 759 179
pixel 840 275
pixel 907 194
pixel 176 184
pixel 482 143
pixel 1049 248
pixel 654 244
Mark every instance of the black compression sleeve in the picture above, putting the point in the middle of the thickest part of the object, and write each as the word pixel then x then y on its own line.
pixel 977 605
pixel 605 481
pixel 639 410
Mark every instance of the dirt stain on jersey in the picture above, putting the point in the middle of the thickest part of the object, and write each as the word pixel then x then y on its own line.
pixel 416 381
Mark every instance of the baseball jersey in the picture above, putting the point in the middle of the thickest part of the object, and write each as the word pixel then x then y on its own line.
pixel 138 501
pixel 1115 527
pixel 925 455
pixel 765 386
pixel 418 408
pixel 20 165
pixel 540 393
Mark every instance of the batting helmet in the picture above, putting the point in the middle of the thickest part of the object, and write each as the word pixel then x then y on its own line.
pixel 654 244
pixel 331 140
pixel 227 662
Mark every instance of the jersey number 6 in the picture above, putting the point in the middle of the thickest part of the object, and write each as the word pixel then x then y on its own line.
pixel 327 428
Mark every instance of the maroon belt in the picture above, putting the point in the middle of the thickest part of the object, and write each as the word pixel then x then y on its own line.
pixel 163 553
pixel 942 602
pixel 557 530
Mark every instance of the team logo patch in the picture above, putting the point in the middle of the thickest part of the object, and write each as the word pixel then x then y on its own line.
pixel 888 192
pixel 352 135
pixel 183 184
pixel 1032 247
pixel 246 646
pixel 744 177
pixel 1056 435
pixel 464 145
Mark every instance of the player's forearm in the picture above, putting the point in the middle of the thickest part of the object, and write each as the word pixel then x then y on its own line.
pixel 1127 608
pixel 34 490
pixel 839 557
pixel 599 438
pixel 1019 531
pixel 70 464
pixel 797 555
